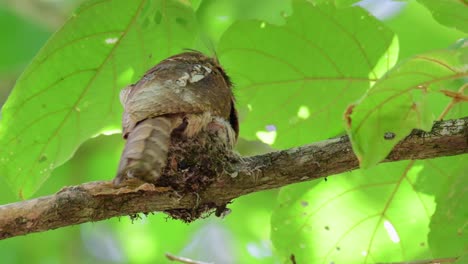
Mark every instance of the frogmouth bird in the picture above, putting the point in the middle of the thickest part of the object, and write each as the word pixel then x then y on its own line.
pixel 179 98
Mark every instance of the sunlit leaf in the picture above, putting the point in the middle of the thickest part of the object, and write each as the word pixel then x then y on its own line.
pixel 95 160
pixel 297 79
pixel 406 98
pixel 365 216
pixel 70 91
pixel 452 13
pixel 215 16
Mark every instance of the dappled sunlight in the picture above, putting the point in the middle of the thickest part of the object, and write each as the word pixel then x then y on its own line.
pixel 391 231
pixel 108 131
pixel 267 137
pixel 303 112
pixel 111 40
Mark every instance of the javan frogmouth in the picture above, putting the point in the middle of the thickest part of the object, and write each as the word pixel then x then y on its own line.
pixel 181 97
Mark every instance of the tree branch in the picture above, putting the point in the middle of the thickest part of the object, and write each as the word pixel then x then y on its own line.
pixel 426 261
pixel 95 201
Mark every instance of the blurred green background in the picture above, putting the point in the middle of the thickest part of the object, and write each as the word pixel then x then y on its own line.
pixel 244 235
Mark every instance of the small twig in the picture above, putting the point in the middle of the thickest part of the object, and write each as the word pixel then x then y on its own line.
pixel 293 259
pixel 184 260
pixel 457 98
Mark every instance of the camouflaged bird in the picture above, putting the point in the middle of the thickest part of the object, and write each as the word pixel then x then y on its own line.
pixel 180 97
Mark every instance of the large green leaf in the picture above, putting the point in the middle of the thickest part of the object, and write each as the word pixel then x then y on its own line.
pixel 448 224
pixel 215 16
pixel 294 81
pixel 408 97
pixel 70 91
pixel 425 34
pixel 452 13
pixel 365 216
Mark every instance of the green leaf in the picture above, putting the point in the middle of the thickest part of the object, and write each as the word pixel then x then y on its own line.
pixel 452 13
pixel 95 160
pixel 293 82
pixel 70 91
pixel 424 34
pixel 215 16
pixel 448 224
pixel 364 216
pixel 410 96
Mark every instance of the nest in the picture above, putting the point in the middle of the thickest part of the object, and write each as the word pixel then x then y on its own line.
pixel 193 164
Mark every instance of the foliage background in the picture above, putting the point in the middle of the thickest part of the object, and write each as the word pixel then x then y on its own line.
pixel 244 236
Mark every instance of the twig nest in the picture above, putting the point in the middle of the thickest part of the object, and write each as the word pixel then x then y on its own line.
pixel 192 165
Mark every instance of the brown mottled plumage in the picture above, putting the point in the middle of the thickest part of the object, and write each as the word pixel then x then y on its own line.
pixel 182 95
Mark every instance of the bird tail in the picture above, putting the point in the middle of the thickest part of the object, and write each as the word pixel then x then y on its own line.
pixel 145 153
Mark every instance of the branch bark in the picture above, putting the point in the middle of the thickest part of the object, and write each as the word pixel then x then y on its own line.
pixel 95 201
